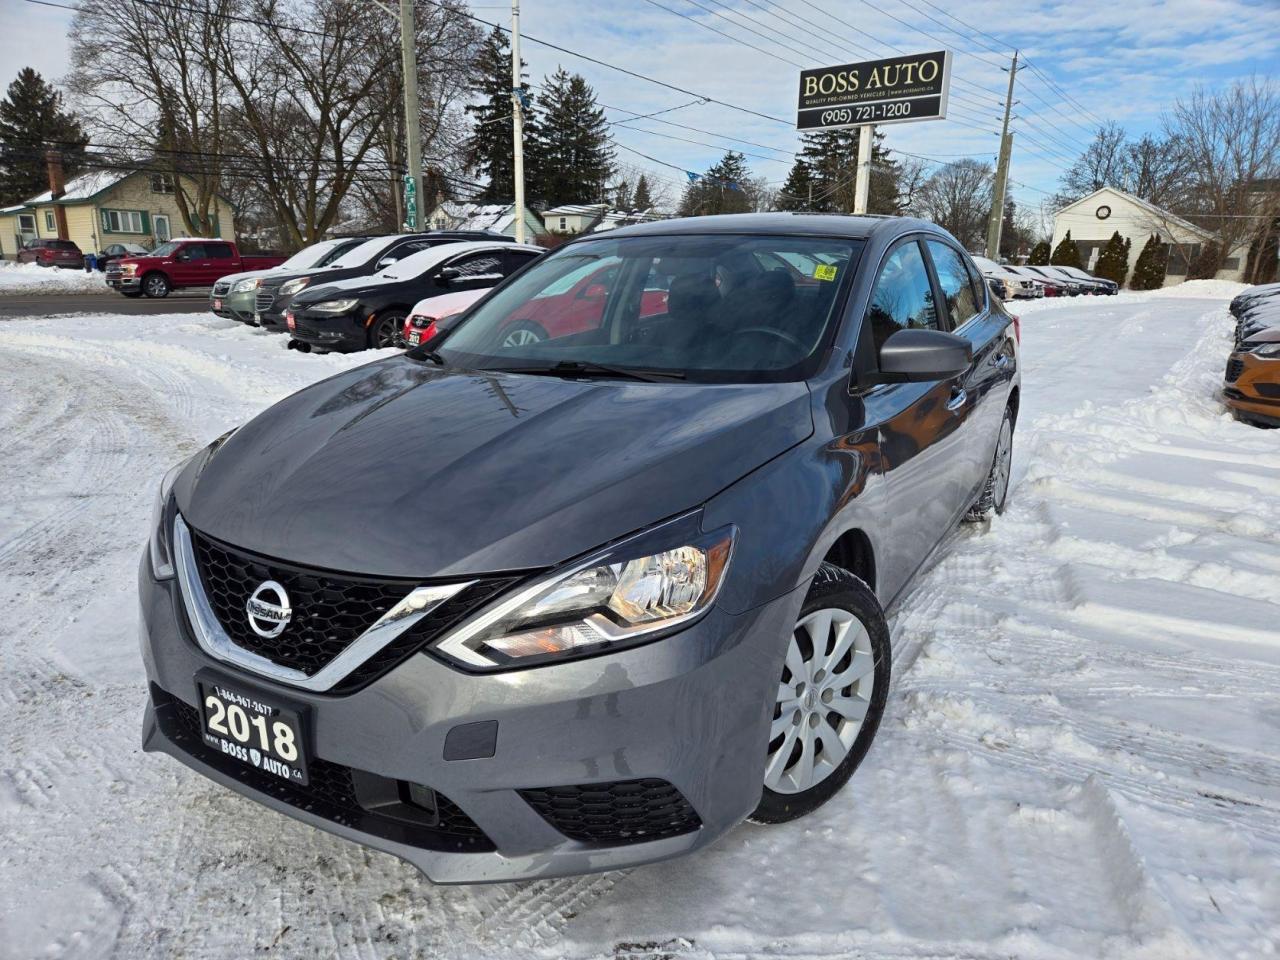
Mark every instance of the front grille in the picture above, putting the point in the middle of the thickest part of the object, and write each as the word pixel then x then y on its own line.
pixel 264 298
pixel 331 793
pixel 330 610
pixel 1235 367
pixel 220 288
pixel 617 813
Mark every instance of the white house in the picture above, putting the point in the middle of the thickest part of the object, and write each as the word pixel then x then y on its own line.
pixel 593 217
pixel 497 217
pixel 1093 219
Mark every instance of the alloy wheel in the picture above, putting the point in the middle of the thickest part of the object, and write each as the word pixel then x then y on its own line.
pixel 824 696
pixel 387 332
pixel 1003 464
pixel 520 337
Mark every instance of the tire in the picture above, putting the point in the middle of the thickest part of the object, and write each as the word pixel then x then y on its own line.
pixel 860 649
pixel 995 492
pixel 156 286
pixel 386 330
pixel 523 332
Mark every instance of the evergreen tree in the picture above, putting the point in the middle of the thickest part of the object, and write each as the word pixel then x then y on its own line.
pixel 1113 262
pixel 1205 265
pixel 642 200
pixel 721 190
pixel 1148 272
pixel 797 191
pixel 1066 254
pixel 623 195
pixel 575 152
pixel 1039 256
pixel 1009 239
pixel 32 121
pixel 489 148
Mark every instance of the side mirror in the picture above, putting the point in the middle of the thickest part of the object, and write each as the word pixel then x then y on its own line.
pixel 448 275
pixel 182 256
pixel 921 355
pixel 385 262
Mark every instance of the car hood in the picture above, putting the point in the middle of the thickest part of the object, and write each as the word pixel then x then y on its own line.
pixel 404 469
pixel 234 278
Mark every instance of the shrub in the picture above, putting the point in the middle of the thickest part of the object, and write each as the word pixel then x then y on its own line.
pixel 1066 254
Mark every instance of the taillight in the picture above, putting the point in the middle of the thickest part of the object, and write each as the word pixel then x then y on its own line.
pixel 1017 329
pixel 430 332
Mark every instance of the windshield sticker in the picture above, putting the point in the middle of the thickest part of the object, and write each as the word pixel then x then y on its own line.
pixel 824 271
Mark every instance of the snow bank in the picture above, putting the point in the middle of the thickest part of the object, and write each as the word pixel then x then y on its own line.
pixel 28 278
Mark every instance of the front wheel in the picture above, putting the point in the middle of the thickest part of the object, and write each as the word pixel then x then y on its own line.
pixel 155 285
pixel 995 491
pixel 831 696
pixel 386 330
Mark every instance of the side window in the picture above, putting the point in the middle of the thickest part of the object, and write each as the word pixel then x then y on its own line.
pixel 483 264
pixel 953 278
pixel 218 251
pixel 513 260
pixel 979 283
pixel 903 295
pixel 194 251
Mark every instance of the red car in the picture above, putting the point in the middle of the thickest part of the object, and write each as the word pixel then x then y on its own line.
pixel 183 263
pixel 52 253
pixel 572 305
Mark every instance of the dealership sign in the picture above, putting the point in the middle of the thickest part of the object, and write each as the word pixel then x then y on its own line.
pixel 895 90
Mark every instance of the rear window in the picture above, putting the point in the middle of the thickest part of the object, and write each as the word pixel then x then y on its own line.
pixel 63 245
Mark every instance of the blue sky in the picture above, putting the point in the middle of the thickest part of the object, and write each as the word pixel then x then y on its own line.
pixel 1123 60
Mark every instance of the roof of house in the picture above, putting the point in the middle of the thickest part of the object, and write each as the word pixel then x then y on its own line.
pixel 1162 215
pixel 479 216
pixel 84 187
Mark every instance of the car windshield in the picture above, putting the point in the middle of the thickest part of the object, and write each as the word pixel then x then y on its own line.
pixel 313 256
pixel 164 249
pixel 419 263
pixel 359 255
pixel 707 307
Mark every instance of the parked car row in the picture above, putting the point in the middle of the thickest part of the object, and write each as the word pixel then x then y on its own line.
pixel 1251 387
pixel 1012 282
pixel 49 252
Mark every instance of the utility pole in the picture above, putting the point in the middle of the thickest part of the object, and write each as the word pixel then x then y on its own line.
pixel 517 119
pixel 996 223
pixel 862 186
pixel 412 129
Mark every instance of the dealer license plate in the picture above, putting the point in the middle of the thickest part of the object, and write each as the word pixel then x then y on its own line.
pixel 247 728
pixel 292 324
pixel 415 338
pixel 217 304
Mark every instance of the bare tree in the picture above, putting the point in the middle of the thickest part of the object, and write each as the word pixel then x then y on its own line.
pixel 1229 145
pixel 957 197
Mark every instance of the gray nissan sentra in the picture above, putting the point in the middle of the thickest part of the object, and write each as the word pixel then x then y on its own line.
pixel 601 569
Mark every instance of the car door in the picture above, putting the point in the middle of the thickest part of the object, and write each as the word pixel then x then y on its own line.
pixel 220 260
pixel 920 426
pixel 984 385
pixel 188 265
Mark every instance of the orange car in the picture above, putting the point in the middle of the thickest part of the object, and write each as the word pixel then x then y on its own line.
pixel 1252 388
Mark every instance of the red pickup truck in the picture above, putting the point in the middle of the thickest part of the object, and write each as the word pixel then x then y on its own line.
pixel 182 263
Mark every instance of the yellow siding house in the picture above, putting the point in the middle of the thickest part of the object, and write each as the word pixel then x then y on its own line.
pixel 107 207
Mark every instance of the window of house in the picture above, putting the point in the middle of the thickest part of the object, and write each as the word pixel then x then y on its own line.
pixel 903 296
pixel 26 223
pixel 161 183
pixel 50 221
pixel 953 278
pixel 122 221
pixel 564 223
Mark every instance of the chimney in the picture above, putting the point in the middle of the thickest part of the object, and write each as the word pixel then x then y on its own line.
pixel 57 187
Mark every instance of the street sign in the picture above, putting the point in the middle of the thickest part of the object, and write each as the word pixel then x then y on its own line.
pixel 410 203
pixel 894 90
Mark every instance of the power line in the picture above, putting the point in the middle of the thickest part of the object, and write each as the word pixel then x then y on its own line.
pixel 727 36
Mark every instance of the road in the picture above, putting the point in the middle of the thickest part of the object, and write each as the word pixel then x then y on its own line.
pixel 1078 758
pixel 55 305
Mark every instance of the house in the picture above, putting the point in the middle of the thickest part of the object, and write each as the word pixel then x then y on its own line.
pixel 1093 219
pixel 572 218
pixel 104 207
pixel 497 217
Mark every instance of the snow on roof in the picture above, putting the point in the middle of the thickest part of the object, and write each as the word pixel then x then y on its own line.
pixel 84 186
pixel 577 210
pixel 478 216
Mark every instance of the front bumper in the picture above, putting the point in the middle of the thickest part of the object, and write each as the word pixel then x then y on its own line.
pixel 691 710
pixel 342 332
pixel 120 282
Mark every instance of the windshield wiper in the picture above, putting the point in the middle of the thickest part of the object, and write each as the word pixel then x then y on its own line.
pixel 432 356
pixel 587 368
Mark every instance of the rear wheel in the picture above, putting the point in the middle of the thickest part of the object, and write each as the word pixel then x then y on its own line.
pixel 155 285
pixel 523 332
pixel 386 329
pixel 831 696
pixel 995 491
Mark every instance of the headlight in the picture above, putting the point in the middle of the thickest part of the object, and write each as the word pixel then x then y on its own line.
pixel 161 555
pixel 244 286
pixel 1267 350
pixel 617 597
pixel 129 269
pixel 333 306
pixel 293 286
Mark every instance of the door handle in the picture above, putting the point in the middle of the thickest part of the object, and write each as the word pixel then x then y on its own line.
pixel 958 397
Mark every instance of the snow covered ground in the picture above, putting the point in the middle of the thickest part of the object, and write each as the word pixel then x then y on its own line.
pixel 1081 757
pixel 28 278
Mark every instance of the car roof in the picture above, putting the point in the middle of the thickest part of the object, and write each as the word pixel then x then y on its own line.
pixel 779 224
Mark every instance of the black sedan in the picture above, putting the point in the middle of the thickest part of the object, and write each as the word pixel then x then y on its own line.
pixel 364 312
pixel 377 253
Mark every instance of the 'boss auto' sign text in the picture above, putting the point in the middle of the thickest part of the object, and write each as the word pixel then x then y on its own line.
pixel 894 90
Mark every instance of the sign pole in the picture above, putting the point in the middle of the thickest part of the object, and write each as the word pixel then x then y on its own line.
pixel 862 187
pixel 996 224
pixel 412 128
pixel 517 119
